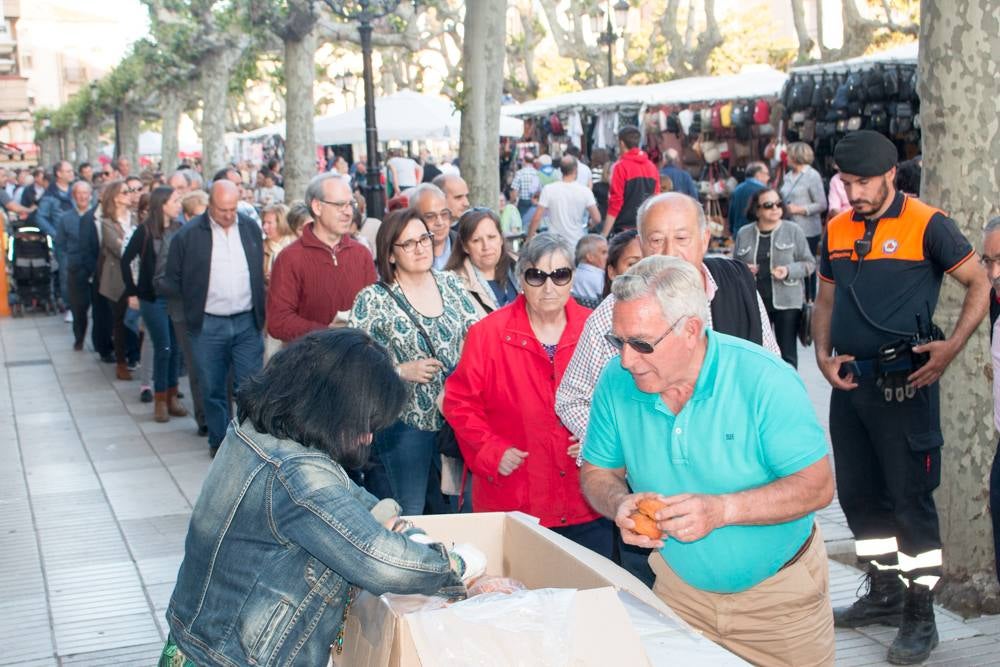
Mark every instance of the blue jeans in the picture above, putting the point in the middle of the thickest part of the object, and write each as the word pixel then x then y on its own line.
pixel 408 469
pixel 223 344
pixel 166 352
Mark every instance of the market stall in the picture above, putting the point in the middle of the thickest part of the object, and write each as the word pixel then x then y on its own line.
pixel 715 124
pixel 876 92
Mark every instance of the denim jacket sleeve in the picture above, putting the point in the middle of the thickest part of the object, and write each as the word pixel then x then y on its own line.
pixel 44 218
pixel 313 506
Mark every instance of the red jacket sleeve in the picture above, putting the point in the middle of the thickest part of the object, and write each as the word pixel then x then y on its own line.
pixel 616 194
pixel 464 408
pixel 283 320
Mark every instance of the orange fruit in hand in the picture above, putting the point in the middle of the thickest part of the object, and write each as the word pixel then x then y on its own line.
pixel 650 506
pixel 645 526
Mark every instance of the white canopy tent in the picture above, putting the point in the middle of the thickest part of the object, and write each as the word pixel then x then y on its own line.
pixel 905 54
pixel 151 143
pixel 403 116
pixel 752 81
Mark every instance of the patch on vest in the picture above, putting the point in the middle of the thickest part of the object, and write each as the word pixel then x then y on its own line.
pixel 890 246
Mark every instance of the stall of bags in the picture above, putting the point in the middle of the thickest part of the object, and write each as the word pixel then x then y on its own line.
pixel 822 103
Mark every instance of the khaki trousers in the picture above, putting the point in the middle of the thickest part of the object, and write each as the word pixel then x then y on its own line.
pixel 784 620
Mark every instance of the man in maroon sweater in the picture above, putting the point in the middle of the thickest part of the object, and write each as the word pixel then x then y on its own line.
pixel 315 280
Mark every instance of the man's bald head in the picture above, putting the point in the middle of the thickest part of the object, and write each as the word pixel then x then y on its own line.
pixel 673 224
pixel 222 201
pixel 456 193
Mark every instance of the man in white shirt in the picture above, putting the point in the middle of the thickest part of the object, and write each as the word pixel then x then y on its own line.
pixel 216 266
pixel 566 202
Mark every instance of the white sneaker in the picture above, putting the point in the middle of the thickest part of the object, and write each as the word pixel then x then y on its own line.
pixel 68 317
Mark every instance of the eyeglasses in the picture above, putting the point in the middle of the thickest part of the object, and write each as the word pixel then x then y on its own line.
pixel 130 191
pixel 424 241
pixel 341 205
pixel 444 215
pixel 537 277
pixel 639 345
pixel 769 204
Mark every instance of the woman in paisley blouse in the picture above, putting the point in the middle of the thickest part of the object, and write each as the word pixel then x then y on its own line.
pixel 421 316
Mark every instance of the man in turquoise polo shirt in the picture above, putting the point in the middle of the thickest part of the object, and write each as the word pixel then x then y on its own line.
pixel 723 433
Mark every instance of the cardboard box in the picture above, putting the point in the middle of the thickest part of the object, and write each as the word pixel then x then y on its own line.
pixel 379 633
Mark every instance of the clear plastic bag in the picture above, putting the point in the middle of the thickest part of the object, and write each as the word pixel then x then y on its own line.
pixel 524 628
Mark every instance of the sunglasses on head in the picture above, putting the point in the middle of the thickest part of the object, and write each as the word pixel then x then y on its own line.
pixel 537 277
pixel 770 204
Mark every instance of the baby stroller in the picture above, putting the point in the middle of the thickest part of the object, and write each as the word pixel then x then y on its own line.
pixel 29 266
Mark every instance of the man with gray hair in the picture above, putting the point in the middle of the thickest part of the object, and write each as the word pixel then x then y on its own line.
pixel 991 261
pixel 431 203
pixel 456 193
pixel 315 280
pixel 727 469
pixel 591 261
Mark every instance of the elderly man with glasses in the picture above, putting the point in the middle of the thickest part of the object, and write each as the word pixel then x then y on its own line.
pixel 432 205
pixel 315 280
pixel 733 466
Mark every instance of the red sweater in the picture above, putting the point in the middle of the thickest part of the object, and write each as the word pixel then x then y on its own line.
pixel 311 282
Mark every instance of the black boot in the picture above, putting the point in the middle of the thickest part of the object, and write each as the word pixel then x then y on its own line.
pixel 917 634
pixel 883 603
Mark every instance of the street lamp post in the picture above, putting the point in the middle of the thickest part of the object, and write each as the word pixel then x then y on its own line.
pixel 608 36
pixel 364 12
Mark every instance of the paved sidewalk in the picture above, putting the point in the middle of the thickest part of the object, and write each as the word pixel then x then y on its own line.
pixel 95 499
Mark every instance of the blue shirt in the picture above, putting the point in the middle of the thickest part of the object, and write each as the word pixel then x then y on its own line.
pixel 738 203
pixel 748 423
pixel 681 180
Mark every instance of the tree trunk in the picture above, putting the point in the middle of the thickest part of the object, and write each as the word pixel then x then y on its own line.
pixel 482 65
pixel 300 109
pixel 128 129
pixel 801 31
pixel 71 146
pixel 92 143
pixel 961 140
pixel 216 70
pixel 170 144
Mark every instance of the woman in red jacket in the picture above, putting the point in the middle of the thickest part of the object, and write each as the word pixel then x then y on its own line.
pixel 500 400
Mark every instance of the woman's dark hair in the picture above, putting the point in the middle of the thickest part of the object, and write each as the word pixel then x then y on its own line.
pixel 467 225
pixel 388 233
pixel 755 198
pixel 616 248
pixel 154 218
pixel 328 390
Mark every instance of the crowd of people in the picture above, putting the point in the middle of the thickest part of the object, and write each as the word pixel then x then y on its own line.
pixel 606 360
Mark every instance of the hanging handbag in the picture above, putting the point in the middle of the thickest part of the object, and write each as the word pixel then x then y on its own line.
pixel 805 324
pixel 447 443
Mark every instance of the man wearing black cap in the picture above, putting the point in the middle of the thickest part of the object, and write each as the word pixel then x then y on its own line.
pixel 881 267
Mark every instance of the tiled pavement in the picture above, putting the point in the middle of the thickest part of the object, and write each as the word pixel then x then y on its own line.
pixel 95 498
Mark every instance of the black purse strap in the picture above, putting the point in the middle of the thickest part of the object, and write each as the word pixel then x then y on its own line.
pixel 413 318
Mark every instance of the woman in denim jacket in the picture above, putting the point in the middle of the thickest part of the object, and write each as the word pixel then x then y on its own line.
pixel 281 540
pixel 777 253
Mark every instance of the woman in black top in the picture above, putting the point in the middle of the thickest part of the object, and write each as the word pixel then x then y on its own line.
pixel 146 244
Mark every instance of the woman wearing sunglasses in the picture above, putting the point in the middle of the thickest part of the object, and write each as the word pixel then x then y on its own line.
pixel 420 316
pixel 501 401
pixel 777 252
pixel 483 261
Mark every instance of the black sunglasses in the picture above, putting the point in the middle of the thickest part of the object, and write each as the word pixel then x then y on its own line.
pixel 770 204
pixel 537 277
pixel 639 345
